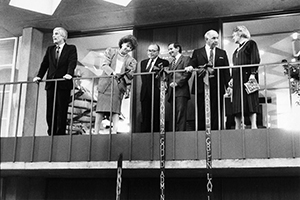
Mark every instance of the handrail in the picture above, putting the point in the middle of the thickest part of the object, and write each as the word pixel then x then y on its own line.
pixel 110 138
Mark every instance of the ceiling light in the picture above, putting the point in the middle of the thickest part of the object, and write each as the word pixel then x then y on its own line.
pixel 119 2
pixel 47 7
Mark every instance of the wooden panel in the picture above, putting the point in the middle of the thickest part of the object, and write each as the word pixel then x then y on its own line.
pixel 60 150
pixel 256 145
pixel 227 144
pixel 280 143
pixel 185 146
pixel 80 148
pixel 6 154
pixel 164 36
pixel 41 149
pixel 141 146
pixel 100 147
pixel 24 149
pixel 232 144
pixel 120 144
pixel 191 37
pixel 145 38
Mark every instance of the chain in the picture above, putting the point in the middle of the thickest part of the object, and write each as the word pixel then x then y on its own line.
pixel 208 142
pixel 119 178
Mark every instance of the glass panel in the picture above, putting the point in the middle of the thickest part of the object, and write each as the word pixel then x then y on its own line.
pixel 6 51
pixel 7 62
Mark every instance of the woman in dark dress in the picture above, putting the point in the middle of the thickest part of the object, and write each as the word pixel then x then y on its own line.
pixel 247 53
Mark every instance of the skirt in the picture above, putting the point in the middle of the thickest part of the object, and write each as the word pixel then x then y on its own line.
pixel 107 102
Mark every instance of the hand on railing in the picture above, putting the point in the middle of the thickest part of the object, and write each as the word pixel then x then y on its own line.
pixel 120 76
pixel 67 77
pixel 189 68
pixel 37 79
pixel 173 84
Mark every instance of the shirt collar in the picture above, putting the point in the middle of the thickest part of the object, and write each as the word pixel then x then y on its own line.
pixel 61 46
pixel 208 47
pixel 177 57
pixel 154 60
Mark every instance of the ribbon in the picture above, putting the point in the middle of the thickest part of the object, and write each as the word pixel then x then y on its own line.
pixel 206 70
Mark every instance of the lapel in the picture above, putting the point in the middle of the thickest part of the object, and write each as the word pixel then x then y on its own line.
pixel 157 62
pixel 203 52
pixel 145 65
pixel 217 55
pixel 62 53
pixel 177 64
pixel 52 52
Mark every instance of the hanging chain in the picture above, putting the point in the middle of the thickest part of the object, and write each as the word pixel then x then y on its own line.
pixel 119 177
pixel 208 142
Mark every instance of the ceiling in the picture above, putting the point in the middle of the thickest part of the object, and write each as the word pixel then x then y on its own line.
pixel 83 16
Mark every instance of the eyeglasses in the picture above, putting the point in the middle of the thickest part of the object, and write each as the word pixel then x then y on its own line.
pixel 152 50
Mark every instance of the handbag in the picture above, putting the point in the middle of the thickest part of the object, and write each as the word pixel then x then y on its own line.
pixel 251 86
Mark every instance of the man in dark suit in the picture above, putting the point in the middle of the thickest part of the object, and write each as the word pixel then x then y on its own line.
pixel 59 62
pixel 179 81
pixel 153 63
pixel 213 58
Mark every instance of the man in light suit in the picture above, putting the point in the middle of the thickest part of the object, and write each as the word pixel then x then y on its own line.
pixel 59 62
pixel 212 57
pixel 153 63
pixel 179 81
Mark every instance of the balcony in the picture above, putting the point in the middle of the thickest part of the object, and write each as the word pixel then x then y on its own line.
pixel 26 150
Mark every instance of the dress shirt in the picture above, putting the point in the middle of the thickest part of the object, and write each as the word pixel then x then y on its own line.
pixel 152 64
pixel 208 50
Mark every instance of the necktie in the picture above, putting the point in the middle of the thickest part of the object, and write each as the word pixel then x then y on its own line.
pixel 173 63
pixel 148 68
pixel 57 54
pixel 211 57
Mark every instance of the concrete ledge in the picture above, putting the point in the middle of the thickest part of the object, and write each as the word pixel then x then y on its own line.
pixel 187 164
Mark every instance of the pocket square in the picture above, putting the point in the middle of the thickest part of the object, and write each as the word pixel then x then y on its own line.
pixel 221 57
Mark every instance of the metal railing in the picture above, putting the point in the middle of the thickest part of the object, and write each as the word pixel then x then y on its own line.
pixel 19 94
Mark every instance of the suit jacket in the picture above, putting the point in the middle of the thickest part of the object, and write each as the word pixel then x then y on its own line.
pixel 181 79
pixel 146 89
pixel 66 64
pixel 199 58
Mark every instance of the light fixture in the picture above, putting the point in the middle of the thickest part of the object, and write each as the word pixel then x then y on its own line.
pixel 119 2
pixel 47 7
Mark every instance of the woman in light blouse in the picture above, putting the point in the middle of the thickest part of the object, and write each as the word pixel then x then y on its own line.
pixel 111 91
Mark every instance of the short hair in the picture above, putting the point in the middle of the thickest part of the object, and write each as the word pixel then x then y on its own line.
pixel 129 38
pixel 243 30
pixel 176 45
pixel 63 32
pixel 208 33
